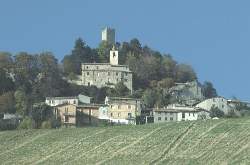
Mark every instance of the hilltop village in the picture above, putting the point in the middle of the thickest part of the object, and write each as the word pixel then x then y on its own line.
pixel 180 100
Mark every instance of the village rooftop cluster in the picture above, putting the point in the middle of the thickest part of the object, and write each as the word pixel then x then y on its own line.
pixel 81 110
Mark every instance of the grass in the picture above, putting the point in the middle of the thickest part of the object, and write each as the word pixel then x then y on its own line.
pixel 225 141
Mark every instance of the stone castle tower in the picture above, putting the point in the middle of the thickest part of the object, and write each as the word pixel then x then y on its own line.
pixel 107 74
pixel 113 56
pixel 108 34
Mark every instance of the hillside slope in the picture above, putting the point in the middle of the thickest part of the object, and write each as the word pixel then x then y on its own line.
pixel 224 141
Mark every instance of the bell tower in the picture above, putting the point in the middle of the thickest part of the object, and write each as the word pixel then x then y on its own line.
pixel 113 56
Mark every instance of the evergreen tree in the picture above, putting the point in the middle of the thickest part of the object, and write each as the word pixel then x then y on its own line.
pixel 103 52
pixel 208 90
pixel 81 53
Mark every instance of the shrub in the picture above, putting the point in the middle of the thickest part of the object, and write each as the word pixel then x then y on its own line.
pixel 104 123
pixel 244 113
pixel 56 123
pixel 46 125
pixel 232 114
pixel 27 123
pixel 8 124
pixel 216 112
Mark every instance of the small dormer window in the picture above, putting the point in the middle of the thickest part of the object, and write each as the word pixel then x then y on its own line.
pixel 114 55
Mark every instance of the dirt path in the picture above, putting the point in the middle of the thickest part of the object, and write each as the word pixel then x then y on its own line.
pixel 130 145
pixel 25 143
pixel 173 145
pixel 66 148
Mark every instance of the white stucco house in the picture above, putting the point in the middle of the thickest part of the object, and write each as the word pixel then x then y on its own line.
pixel 75 100
pixel 220 102
pixel 176 113
pixel 55 101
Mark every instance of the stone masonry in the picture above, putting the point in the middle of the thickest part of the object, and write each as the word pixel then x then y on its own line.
pixel 106 74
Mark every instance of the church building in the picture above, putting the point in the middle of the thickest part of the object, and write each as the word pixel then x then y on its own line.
pixel 107 74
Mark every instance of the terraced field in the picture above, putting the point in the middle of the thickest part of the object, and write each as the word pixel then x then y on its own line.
pixel 202 142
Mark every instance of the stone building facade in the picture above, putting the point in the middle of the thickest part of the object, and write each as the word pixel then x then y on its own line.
pixel 123 110
pixel 80 115
pixel 108 34
pixel 67 113
pixel 106 74
pixel 218 102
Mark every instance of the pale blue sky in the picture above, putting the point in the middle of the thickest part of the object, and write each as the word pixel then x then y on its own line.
pixel 213 35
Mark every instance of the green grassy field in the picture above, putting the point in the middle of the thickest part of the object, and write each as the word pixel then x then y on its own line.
pixel 224 141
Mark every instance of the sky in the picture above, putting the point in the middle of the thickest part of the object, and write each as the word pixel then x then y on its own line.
pixel 213 35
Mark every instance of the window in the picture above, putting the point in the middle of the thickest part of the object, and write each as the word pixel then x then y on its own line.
pixel 74 102
pixel 159 118
pixel 213 100
pixel 129 115
pixel 119 107
pixel 171 113
pixel 119 114
pixel 117 73
pixel 113 54
pixel 222 106
pixel 126 73
pixel 129 106
pixel 189 113
pixel 193 114
pixel 87 67
pixel 171 118
pixel 108 73
pixel 166 118
pixel 66 119
pixel 97 67
pixel 183 115
pixel 111 106
pixel 111 114
pixel 87 73
pixel 88 83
